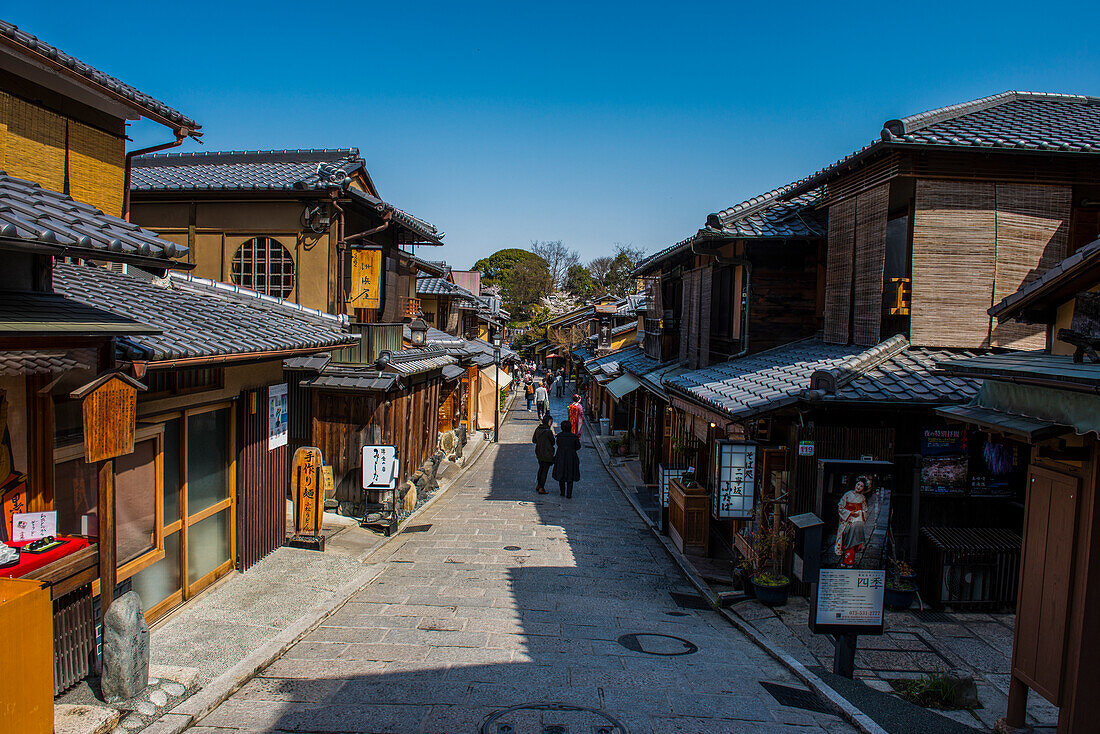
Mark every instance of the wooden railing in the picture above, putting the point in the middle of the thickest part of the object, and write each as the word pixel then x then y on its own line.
pixel 410 307
pixel 899 293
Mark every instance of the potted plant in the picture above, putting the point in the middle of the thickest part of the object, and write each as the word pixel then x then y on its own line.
pixel 770 585
pixel 744 572
pixel 898 595
pixel 903 571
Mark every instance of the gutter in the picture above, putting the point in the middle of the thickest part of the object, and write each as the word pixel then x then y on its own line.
pixel 223 359
pixel 36 247
pixel 180 137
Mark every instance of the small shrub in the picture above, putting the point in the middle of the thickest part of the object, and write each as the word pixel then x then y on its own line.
pixel 934 690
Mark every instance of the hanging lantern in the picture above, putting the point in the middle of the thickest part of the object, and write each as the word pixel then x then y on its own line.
pixel 735 480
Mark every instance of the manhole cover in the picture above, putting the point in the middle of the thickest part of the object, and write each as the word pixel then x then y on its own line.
pixel 551 718
pixel 798 698
pixel 652 643
pixel 511 547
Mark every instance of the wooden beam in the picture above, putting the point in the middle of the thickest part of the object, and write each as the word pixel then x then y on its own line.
pixel 105 517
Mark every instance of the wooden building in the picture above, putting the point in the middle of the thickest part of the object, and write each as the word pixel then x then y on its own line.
pixel 1046 401
pixel 889 260
pixel 305 225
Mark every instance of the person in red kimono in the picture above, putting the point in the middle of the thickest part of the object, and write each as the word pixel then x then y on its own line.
pixel 576 415
pixel 851 533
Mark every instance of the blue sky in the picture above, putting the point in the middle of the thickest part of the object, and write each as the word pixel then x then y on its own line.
pixel 592 123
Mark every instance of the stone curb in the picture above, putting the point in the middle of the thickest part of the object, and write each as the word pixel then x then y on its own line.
pixel 192 710
pixel 845 708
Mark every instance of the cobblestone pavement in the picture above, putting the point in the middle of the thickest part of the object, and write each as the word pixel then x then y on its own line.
pixel 513 598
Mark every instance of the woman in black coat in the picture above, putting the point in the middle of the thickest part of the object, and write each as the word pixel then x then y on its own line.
pixel 544 449
pixel 567 465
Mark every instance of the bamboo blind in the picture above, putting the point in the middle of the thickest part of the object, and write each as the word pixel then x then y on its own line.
pixel 838 284
pixel 1032 237
pixel 870 248
pixel 954 254
pixel 704 283
pixel 687 310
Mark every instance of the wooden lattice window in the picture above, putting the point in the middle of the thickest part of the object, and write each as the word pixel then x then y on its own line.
pixel 265 266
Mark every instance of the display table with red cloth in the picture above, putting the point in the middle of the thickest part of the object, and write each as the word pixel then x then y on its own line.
pixel 29 562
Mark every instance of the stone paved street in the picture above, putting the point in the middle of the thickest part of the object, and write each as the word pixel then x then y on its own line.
pixel 514 598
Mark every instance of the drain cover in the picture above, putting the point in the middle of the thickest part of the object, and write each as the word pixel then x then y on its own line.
pixel 417 528
pixel 656 644
pixel 689 601
pixel 677 614
pixel 551 718
pixel 511 547
pixel 927 615
pixel 798 698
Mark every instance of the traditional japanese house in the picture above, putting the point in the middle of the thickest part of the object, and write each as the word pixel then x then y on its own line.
pixel 305 225
pixel 443 304
pixel 948 211
pixel 1042 406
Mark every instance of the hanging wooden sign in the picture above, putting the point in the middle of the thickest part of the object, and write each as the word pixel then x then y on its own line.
pixel 306 485
pixel 110 415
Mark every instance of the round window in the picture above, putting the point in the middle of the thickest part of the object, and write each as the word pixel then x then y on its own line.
pixel 265 266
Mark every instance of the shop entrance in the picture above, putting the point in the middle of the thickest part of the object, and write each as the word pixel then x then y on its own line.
pixel 198 480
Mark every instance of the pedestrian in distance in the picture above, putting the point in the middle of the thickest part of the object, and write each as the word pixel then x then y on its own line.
pixel 529 389
pixel 559 385
pixel 567 463
pixel 576 414
pixel 542 399
pixel 544 450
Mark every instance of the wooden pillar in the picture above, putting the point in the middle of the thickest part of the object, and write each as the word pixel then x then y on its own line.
pixel 1016 716
pixel 105 518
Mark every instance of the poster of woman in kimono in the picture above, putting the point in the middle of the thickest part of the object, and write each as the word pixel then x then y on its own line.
pixel 857 511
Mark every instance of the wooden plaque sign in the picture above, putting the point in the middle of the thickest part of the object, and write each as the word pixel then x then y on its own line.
pixel 307 486
pixel 110 414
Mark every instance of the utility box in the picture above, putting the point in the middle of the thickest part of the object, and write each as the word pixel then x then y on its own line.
pixel 807 547
pixel 26 637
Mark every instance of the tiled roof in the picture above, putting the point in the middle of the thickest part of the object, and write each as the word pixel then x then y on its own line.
pixel 35 362
pixel 1052 280
pixel 44 219
pixel 245 170
pixel 760 382
pixel 611 363
pixel 440 287
pixel 768 216
pixel 912 376
pixel 416 361
pixel 199 317
pixel 54 315
pixel 48 54
pixel 1009 121
pixel 352 378
pixel 425 232
pixel 436 337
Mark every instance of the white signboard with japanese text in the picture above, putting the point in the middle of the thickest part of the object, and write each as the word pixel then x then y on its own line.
pixel 33 525
pixel 277 416
pixel 379 467
pixel 850 596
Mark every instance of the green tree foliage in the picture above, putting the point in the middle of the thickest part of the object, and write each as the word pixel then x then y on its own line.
pixel 614 275
pixel 525 285
pixel 579 283
pixel 495 268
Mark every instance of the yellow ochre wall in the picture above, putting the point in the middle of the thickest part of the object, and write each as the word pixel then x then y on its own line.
pixel 33 147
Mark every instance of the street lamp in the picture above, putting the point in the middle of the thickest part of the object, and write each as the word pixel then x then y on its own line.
pixel 419 330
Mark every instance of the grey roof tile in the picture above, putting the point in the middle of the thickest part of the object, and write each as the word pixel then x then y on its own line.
pixel 245 170
pixel 198 317
pixel 35 47
pixel 33 215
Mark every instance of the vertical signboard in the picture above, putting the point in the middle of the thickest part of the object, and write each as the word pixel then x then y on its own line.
pixel 735 483
pixel 306 486
pixel 366 279
pixel 379 467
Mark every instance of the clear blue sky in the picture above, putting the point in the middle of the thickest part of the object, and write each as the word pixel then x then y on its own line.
pixel 592 123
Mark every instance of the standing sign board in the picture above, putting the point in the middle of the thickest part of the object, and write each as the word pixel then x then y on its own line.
pixel 853 500
pixel 306 487
pixel 278 426
pixel 379 467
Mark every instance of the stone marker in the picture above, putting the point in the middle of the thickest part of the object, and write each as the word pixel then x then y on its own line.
pixel 125 649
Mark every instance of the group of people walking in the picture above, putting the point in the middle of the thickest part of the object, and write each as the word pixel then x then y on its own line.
pixel 538 391
pixel 559 452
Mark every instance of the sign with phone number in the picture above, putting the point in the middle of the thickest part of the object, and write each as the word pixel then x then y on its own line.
pixel 850 596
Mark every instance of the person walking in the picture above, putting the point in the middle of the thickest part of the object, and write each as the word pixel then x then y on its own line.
pixel 542 399
pixel 567 463
pixel 544 450
pixel 576 414
pixel 559 385
pixel 529 389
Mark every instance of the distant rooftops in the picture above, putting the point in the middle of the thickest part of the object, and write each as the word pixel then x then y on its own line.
pixel 19 40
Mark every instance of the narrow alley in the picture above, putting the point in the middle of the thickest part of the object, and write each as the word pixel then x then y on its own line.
pixel 503 610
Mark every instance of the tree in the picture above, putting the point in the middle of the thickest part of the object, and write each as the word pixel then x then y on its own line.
pixel 579 283
pixel 614 275
pixel 558 257
pixel 526 284
pixel 495 268
pixel 559 302
pixel 600 268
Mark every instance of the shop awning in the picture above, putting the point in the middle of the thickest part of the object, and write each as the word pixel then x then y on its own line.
pixel 623 385
pixel 453 372
pixel 1031 429
pixel 491 374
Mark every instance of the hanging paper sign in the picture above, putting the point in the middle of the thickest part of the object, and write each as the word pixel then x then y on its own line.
pixel 33 525
pixel 330 483
pixel 379 467
pixel 277 418
pixel 735 483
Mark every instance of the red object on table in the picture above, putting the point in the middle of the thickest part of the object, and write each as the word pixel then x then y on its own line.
pixel 33 561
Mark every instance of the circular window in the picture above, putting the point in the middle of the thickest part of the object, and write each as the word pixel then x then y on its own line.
pixel 264 265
